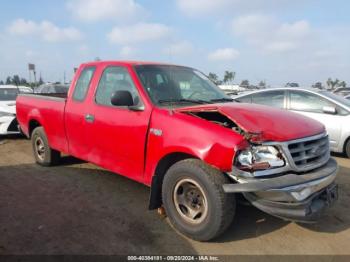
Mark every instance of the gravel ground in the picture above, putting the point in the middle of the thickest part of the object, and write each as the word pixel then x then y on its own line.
pixel 77 208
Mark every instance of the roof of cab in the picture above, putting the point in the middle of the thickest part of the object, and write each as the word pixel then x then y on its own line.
pixel 126 63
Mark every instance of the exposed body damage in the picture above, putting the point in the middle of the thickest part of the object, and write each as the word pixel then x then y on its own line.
pixel 298 191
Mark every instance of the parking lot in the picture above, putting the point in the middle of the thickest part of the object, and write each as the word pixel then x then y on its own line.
pixel 77 208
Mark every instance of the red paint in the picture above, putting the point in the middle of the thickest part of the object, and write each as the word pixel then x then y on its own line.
pixel 270 124
pixel 119 139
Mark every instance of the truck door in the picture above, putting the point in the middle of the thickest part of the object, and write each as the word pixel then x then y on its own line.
pixel 118 133
pixel 76 117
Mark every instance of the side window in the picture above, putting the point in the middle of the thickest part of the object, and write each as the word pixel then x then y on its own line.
pixel 83 83
pixel 269 98
pixel 308 102
pixel 244 99
pixel 115 78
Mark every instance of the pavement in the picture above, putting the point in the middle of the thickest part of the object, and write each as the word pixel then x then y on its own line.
pixel 78 208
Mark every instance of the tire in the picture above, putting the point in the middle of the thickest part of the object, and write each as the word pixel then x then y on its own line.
pixel 347 148
pixel 44 155
pixel 205 214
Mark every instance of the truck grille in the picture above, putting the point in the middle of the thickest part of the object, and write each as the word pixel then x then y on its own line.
pixel 309 151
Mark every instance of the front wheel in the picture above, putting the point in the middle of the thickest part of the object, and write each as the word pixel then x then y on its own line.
pixel 44 155
pixel 194 200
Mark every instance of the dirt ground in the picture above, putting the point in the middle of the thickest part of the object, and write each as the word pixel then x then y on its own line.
pixel 76 208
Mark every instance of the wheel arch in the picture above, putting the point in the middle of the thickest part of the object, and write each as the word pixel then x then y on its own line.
pixel 33 123
pixel 163 165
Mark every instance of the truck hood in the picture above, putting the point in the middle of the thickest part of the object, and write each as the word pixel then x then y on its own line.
pixel 262 122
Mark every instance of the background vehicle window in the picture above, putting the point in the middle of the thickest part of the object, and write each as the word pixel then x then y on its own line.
pixel 8 94
pixel 244 99
pixel 303 101
pixel 114 79
pixel 271 98
pixel 83 83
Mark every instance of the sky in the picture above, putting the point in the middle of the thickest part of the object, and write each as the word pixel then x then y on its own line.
pixel 276 41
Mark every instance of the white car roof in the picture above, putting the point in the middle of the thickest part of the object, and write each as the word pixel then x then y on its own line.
pixel 8 86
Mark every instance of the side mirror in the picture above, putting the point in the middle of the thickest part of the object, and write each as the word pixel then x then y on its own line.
pixel 329 110
pixel 122 98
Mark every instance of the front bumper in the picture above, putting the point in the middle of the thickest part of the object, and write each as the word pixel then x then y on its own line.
pixel 297 197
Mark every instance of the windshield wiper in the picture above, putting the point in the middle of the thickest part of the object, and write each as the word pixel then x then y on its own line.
pixel 224 99
pixel 183 100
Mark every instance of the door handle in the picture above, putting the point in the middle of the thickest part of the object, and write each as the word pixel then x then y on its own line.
pixel 89 118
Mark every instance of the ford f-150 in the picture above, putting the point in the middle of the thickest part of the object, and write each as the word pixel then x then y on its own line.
pixel 172 129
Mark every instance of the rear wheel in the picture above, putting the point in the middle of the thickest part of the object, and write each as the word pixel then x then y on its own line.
pixel 194 200
pixel 44 155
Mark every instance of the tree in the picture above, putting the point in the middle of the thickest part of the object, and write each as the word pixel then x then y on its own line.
pixel 262 84
pixel 332 83
pixel 8 80
pixel 41 81
pixel 244 83
pixel 292 84
pixel 23 82
pixel 213 77
pixel 16 80
pixel 317 85
pixel 229 77
pixel 1 82
pixel 342 84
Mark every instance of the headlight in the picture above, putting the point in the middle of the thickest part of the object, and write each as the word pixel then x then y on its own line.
pixel 259 158
pixel 6 114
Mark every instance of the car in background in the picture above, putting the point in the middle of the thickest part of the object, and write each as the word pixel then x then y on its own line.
pixel 52 89
pixel 330 109
pixel 8 95
pixel 343 91
pixel 347 97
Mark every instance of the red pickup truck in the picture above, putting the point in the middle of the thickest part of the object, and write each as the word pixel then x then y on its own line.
pixel 173 130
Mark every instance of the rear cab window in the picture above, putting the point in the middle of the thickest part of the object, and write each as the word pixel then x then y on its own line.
pixel 83 83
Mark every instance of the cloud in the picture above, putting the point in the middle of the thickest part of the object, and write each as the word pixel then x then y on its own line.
pixel 198 8
pixel 180 48
pixel 269 35
pixel 46 30
pixel 138 33
pixel 223 54
pixel 127 52
pixel 97 10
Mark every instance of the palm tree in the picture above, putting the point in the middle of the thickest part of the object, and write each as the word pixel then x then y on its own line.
pixel 332 83
pixel 229 77
pixel 213 77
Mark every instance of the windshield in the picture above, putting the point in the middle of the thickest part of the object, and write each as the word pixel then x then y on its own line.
pixel 8 94
pixel 337 98
pixel 177 85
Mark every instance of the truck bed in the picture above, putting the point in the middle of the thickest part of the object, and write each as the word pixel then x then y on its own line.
pixel 46 110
